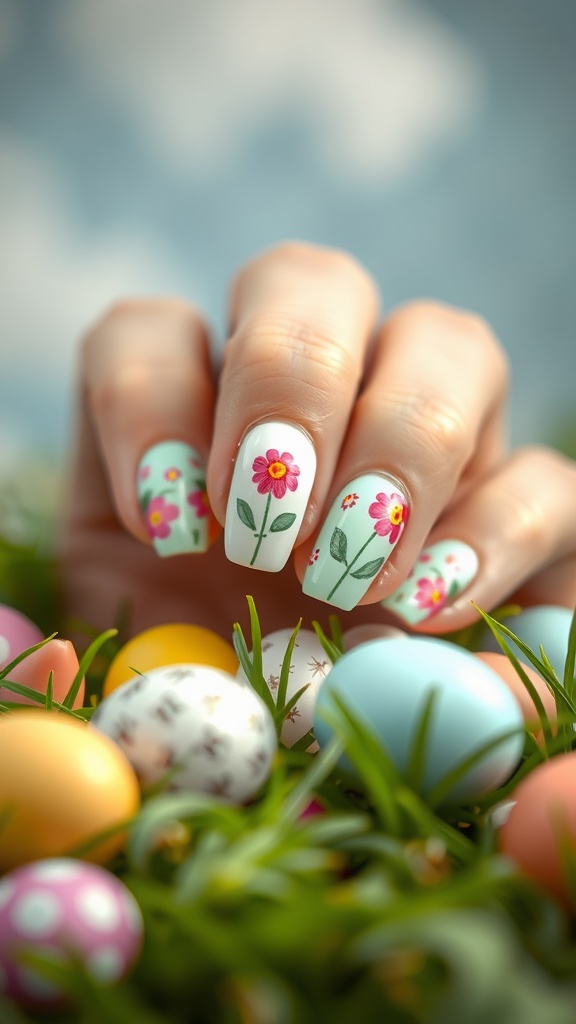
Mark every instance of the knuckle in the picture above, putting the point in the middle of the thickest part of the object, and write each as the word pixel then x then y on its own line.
pixel 127 386
pixel 284 346
pixel 436 426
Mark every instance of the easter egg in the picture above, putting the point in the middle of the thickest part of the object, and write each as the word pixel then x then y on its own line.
pixel 171 644
pixel 213 730
pixel 309 665
pixel 61 907
pixel 58 657
pixel 386 683
pixel 503 667
pixel 61 784
pixel 17 633
pixel 541 825
pixel 370 631
pixel 545 625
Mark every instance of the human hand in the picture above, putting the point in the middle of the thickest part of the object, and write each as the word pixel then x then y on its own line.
pixel 397 429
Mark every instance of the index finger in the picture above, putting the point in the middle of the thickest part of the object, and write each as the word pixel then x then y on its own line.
pixel 301 321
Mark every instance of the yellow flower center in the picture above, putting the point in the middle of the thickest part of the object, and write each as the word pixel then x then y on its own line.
pixel 155 518
pixel 395 514
pixel 277 470
pixel 435 596
pixel 172 474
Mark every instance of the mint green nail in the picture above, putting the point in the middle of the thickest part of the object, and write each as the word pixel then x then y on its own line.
pixel 171 485
pixel 443 571
pixel 359 534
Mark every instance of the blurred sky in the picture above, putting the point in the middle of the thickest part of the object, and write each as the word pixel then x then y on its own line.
pixel 151 146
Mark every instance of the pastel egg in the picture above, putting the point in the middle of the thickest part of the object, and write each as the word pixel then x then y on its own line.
pixel 61 907
pixel 17 634
pixel 385 684
pixel 357 635
pixel 544 625
pixel 62 784
pixel 171 644
pixel 213 730
pixel 309 665
pixel 542 823
pixel 503 667
pixel 58 657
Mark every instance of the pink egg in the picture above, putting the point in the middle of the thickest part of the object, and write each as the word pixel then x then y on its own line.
pixel 61 906
pixel 17 633
pixel 58 657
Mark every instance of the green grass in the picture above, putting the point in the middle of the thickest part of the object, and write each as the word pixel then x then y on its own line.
pixel 389 907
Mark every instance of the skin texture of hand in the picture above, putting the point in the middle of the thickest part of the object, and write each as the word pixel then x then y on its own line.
pixel 375 450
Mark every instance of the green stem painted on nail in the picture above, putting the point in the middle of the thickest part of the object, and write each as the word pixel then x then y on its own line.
pixel 261 535
pixel 350 566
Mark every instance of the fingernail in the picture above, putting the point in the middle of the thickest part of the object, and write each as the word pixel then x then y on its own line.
pixel 359 534
pixel 442 572
pixel 270 488
pixel 171 485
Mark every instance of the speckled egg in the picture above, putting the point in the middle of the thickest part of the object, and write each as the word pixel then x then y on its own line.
pixel 60 907
pixel 386 683
pixel 61 784
pixel 541 826
pixel 546 625
pixel 308 667
pixel 212 730
pixel 58 657
pixel 17 633
pixel 174 643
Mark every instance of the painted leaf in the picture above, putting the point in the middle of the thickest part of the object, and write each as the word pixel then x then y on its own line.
pixel 245 514
pixel 369 569
pixel 144 499
pixel 453 590
pixel 339 545
pixel 282 522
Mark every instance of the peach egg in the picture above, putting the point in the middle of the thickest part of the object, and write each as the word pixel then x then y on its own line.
pixel 58 657
pixel 541 828
pixel 503 667
pixel 170 644
pixel 61 784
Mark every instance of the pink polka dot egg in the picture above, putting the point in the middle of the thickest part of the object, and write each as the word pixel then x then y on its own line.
pixel 64 908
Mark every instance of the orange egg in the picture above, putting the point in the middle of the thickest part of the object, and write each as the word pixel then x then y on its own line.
pixel 172 644
pixel 57 656
pixel 541 828
pixel 503 667
pixel 61 784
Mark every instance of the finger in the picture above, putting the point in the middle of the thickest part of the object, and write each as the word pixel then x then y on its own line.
pixel 426 415
pixel 518 526
pixel 301 319
pixel 145 429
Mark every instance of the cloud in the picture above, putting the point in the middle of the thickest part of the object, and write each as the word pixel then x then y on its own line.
pixel 379 84
pixel 55 278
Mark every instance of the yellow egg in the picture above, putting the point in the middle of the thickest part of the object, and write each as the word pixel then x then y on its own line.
pixel 173 644
pixel 60 785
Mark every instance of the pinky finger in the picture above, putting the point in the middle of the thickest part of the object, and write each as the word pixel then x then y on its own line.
pixel 513 536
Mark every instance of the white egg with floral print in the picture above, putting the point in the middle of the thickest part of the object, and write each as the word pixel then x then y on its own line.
pixel 309 664
pixel 64 908
pixel 198 726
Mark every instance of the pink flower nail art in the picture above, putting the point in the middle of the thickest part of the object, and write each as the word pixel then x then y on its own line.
pixel 199 502
pixel 275 473
pixel 431 594
pixel 391 513
pixel 159 515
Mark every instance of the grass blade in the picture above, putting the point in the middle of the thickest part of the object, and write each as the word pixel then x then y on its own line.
pixel 85 662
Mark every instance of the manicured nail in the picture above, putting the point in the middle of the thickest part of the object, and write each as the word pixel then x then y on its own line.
pixel 270 488
pixel 359 534
pixel 442 572
pixel 171 483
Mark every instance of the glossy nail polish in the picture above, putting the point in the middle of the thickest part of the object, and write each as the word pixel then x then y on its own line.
pixel 359 534
pixel 443 571
pixel 171 489
pixel 270 487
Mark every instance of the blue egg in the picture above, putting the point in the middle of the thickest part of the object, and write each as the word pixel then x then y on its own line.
pixel 385 685
pixel 546 625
